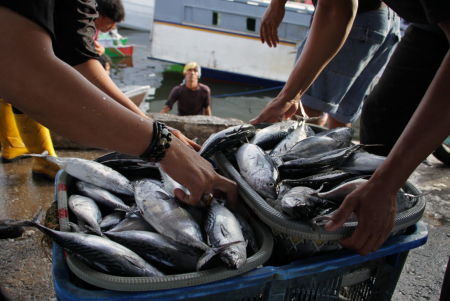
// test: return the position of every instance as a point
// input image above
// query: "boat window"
(251, 24)
(215, 18)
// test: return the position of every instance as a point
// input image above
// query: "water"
(139, 70)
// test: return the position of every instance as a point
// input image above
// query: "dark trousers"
(393, 101)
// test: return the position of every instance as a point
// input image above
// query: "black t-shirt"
(421, 11)
(190, 102)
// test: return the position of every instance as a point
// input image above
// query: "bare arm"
(99, 48)
(165, 109)
(375, 202)
(96, 74)
(330, 28)
(208, 111)
(39, 84)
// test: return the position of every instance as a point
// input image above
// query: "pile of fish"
(135, 227)
(303, 174)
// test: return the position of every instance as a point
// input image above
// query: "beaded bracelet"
(159, 144)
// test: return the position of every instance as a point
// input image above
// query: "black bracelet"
(159, 144)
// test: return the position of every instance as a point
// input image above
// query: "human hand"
(270, 21)
(184, 139)
(99, 48)
(375, 209)
(186, 167)
(275, 110)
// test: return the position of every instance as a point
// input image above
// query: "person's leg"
(389, 107)
(333, 123)
(445, 290)
(37, 139)
(13, 147)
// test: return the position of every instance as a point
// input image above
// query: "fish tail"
(96, 231)
(211, 252)
(35, 221)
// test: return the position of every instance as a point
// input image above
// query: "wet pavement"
(25, 266)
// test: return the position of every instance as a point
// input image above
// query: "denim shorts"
(340, 88)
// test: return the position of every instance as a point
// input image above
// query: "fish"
(102, 196)
(299, 203)
(224, 232)
(86, 211)
(270, 136)
(103, 254)
(343, 134)
(340, 192)
(327, 180)
(131, 166)
(226, 139)
(302, 132)
(92, 172)
(316, 164)
(7, 231)
(159, 250)
(133, 222)
(258, 169)
(406, 201)
(312, 146)
(165, 214)
(111, 220)
(362, 162)
(249, 235)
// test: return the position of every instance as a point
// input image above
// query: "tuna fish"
(317, 164)
(299, 203)
(159, 250)
(164, 213)
(170, 184)
(327, 180)
(103, 254)
(226, 139)
(102, 196)
(86, 211)
(270, 136)
(362, 162)
(224, 232)
(93, 173)
(302, 132)
(111, 220)
(312, 146)
(340, 192)
(258, 169)
(343, 134)
(249, 235)
(133, 222)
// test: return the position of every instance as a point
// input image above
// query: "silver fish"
(343, 134)
(93, 173)
(87, 211)
(249, 235)
(104, 254)
(222, 228)
(159, 250)
(362, 162)
(258, 169)
(340, 192)
(111, 220)
(312, 146)
(226, 139)
(302, 132)
(270, 136)
(102, 196)
(133, 222)
(164, 213)
(300, 203)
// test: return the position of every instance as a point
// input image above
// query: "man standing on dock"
(193, 98)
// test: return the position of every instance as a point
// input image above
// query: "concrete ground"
(25, 265)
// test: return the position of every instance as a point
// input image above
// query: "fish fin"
(96, 231)
(36, 220)
(75, 228)
(224, 231)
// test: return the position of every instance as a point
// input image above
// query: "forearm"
(165, 109)
(208, 111)
(331, 25)
(97, 75)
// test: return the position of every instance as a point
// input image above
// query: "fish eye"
(271, 184)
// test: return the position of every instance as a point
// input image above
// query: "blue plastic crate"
(343, 274)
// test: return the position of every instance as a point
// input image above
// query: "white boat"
(138, 14)
(136, 93)
(223, 37)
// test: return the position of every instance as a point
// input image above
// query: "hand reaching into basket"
(375, 209)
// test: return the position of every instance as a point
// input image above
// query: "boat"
(115, 45)
(222, 36)
(138, 14)
(136, 93)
